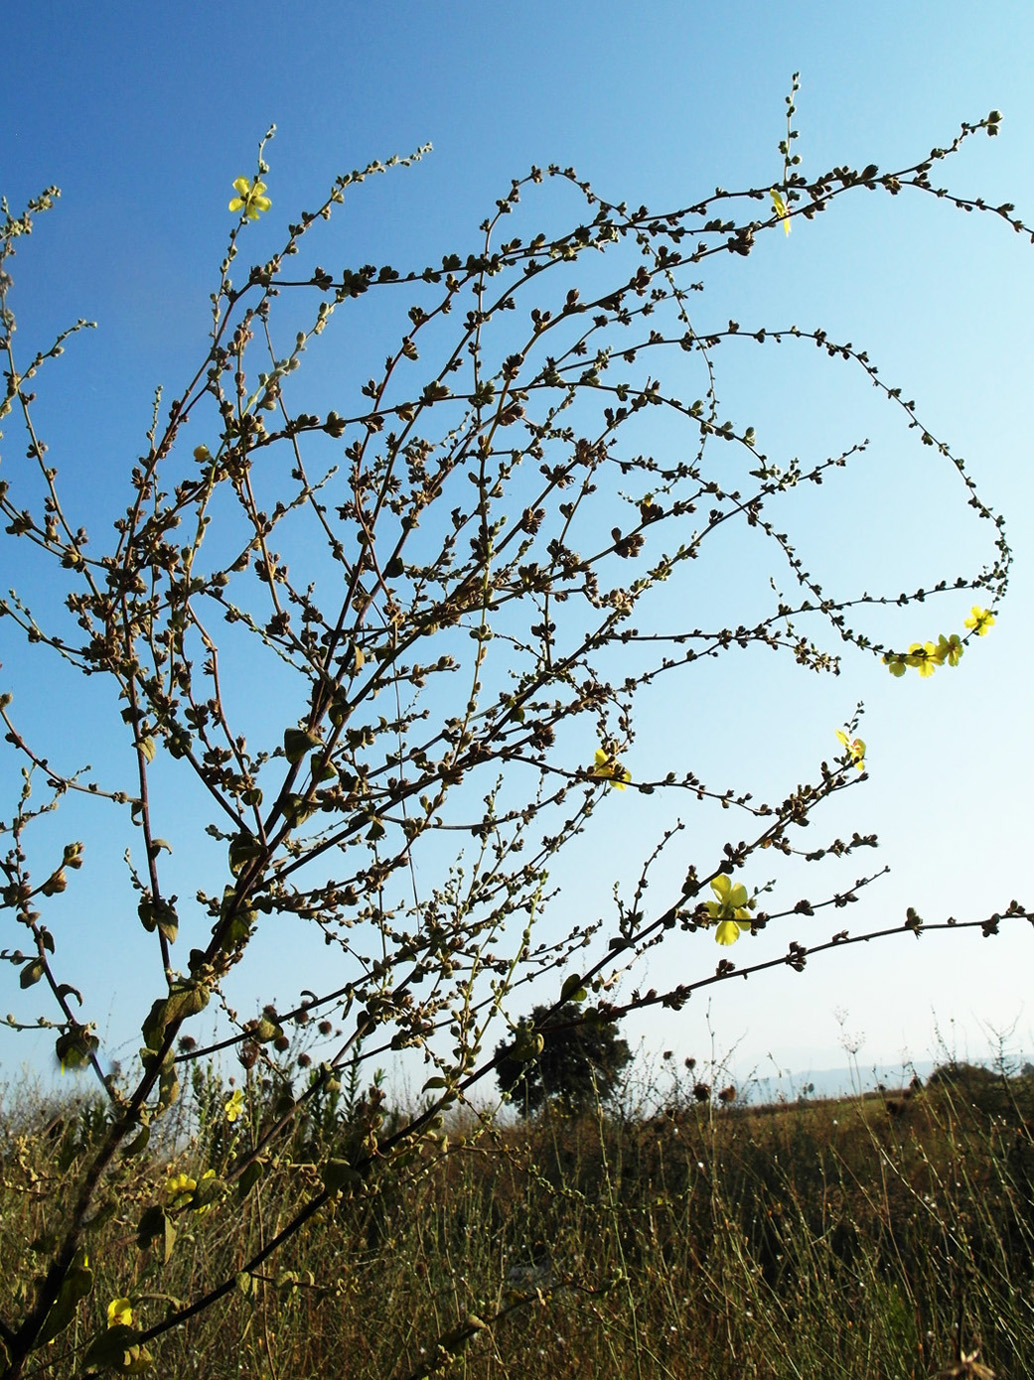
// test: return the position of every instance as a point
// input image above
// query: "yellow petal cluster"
(946, 651)
(980, 620)
(120, 1313)
(180, 1183)
(855, 748)
(251, 198)
(608, 768)
(731, 910)
(234, 1105)
(781, 209)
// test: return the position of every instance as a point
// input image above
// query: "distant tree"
(558, 1055)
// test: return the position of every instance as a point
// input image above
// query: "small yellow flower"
(895, 664)
(981, 620)
(949, 649)
(120, 1313)
(855, 747)
(781, 210)
(731, 910)
(923, 655)
(180, 1184)
(609, 769)
(234, 1106)
(250, 198)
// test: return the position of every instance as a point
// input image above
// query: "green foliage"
(559, 1057)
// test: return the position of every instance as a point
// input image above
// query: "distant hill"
(826, 1083)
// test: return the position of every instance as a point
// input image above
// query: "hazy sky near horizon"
(144, 116)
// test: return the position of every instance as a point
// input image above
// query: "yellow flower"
(855, 748)
(120, 1313)
(781, 210)
(731, 910)
(895, 664)
(250, 198)
(949, 649)
(234, 1106)
(981, 620)
(609, 769)
(180, 1184)
(924, 656)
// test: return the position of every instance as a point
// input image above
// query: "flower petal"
(720, 885)
(120, 1313)
(781, 210)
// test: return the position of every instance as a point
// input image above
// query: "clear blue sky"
(144, 116)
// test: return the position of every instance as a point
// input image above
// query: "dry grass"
(876, 1238)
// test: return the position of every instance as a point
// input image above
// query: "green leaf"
(243, 849)
(154, 1222)
(151, 1224)
(187, 999)
(572, 989)
(153, 1028)
(168, 1238)
(168, 1086)
(168, 921)
(237, 931)
(297, 809)
(339, 1174)
(298, 742)
(161, 915)
(145, 746)
(208, 1191)
(250, 1178)
(184, 1000)
(31, 973)
(74, 1047)
(138, 1143)
(75, 1286)
(528, 1045)
(118, 1348)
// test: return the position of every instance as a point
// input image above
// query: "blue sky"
(144, 116)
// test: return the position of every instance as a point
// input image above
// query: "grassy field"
(874, 1237)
